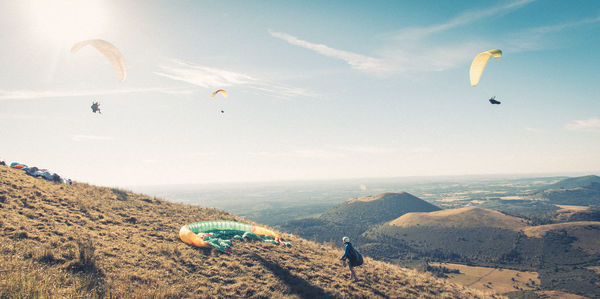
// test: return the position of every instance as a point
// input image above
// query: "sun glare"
(67, 21)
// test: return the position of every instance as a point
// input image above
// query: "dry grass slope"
(462, 217)
(88, 241)
(586, 232)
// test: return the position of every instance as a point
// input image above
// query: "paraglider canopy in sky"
(221, 91)
(479, 64)
(109, 51)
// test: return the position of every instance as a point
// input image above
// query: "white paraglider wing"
(479, 64)
(109, 51)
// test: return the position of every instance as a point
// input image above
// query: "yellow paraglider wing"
(479, 63)
(109, 51)
(219, 91)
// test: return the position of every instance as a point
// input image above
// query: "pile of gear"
(40, 173)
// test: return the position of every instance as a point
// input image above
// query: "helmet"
(346, 239)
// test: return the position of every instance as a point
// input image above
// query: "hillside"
(580, 191)
(586, 233)
(462, 217)
(588, 195)
(564, 254)
(370, 210)
(356, 215)
(575, 182)
(576, 213)
(80, 240)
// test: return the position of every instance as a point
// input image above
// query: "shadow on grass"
(295, 284)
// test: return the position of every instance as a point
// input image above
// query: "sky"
(316, 90)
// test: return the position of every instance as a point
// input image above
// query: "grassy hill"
(86, 241)
(575, 182)
(588, 195)
(580, 191)
(371, 210)
(355, 216)
(462, 217)
(576, 213)
(563, 254)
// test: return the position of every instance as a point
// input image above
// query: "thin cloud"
(411, 58)
(356, 61)
(90, 138)
(367, 149)
(317, 154)
(586, 125)
(209, 77)
(397, 60)
(462, 19)
(532, 39)
(533, 130)
(203, 76)
(36, 94)
(564, 26)
(422, 150)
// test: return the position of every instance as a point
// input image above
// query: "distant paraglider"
(479, 64)
(109, 51)
(221, 91)
(493, 101)
(96, 107)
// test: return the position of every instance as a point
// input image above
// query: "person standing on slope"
(351, 255)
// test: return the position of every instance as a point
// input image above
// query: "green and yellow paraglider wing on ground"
(479, 64)
(218, 234)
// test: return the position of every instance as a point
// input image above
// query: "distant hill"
(575, 182)
(371, 210)
(85, 241)
(581, 191)
(462, 217)
(561, 253)
(588, 195)
(587, 233)
(576, 213)
(353, 217)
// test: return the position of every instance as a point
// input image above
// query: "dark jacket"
(350, 253)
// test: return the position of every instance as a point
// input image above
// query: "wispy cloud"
(422, 150)
(462, 19)
(367, 149)
(317, 154)
(564, 26)
(90, 138)
(396, 59)
(586, 125)
(342, 152)
(413, 56)
(209, 77)
(533, 39)
(356, 61)
(533, 130)
(43, 94)
(203, 76)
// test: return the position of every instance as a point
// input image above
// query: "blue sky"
(342, 89)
